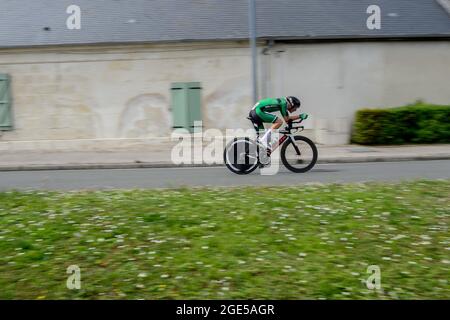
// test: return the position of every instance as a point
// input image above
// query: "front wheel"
(299, 154)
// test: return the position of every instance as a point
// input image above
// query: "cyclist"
(262, 112)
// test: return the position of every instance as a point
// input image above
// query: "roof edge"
(342, 38)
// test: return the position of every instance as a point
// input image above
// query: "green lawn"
(304, 242)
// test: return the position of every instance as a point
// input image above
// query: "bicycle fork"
(297, 150)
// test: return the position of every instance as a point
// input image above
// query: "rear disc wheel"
(241, 156)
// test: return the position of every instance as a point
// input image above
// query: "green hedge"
(417, 123)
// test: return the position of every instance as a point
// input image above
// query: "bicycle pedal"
(264, 160)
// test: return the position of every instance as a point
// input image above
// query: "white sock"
(266, 139)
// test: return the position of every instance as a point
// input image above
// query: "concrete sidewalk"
(159, 156)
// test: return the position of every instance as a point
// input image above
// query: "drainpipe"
(252, 35)
(266, 69)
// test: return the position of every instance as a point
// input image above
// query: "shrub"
(416, 123)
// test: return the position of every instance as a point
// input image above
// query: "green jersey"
(266, 106)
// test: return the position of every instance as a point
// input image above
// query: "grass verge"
(304, 242)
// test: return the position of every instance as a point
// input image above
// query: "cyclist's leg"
(257, 122)
(267, 138)
(276, 123)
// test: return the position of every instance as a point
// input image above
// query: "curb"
(156, 165)
(384, 159)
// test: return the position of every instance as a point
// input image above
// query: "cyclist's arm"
(285, 114)
(291, 118)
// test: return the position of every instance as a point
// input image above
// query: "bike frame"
(280, 141)
(286, 136)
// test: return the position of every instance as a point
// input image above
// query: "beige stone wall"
(122, 93)
(336, 79)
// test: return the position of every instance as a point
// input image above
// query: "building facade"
(78, 94)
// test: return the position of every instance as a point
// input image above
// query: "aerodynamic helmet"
(293, 101)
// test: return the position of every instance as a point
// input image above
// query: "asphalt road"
(219, 176)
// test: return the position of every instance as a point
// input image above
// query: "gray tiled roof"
(22, 22)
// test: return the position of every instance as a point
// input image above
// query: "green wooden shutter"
(186, 104)
(194, 103)
(5, 103)
(179, 105)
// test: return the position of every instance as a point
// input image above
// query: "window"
(5, 103)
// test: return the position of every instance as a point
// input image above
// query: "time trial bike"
(298, 153)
